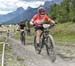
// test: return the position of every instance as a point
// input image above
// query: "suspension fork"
(46, 35)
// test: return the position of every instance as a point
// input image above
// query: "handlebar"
(46, 26)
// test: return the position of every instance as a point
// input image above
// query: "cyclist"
(38, 19)
(22, 33)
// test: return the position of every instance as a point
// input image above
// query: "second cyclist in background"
(22, 32)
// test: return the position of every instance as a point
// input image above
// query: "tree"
(63, 12)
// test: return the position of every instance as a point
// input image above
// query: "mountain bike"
(22, 36)
(46, 40)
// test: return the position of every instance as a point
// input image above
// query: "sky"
(7, 6)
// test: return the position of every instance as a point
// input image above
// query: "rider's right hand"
(31, 23)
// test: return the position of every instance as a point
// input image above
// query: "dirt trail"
(31, 58)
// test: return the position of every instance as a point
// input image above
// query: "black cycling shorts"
(39, 28)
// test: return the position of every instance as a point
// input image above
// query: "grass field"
(64, 32)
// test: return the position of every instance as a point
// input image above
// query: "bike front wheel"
(50, 47)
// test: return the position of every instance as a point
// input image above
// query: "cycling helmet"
(41, 10)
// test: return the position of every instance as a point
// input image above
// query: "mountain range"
(20, 14)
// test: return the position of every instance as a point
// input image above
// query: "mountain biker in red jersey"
(39, 19)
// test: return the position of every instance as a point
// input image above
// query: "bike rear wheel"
(50, 47)
(22, 37)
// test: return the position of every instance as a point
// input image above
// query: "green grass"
(19, 58)
(2, 39)
(64, 32)
(1, 47)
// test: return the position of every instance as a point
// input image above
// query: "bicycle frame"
(45, 33)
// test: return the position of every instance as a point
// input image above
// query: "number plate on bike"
(46, 26)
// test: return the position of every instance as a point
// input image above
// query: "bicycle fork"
(46, 36)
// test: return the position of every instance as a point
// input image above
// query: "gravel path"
(31, 58)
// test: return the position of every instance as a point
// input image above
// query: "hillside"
(64, 33)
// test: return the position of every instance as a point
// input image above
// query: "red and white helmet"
(41, 10)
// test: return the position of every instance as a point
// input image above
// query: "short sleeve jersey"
(37, 19)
